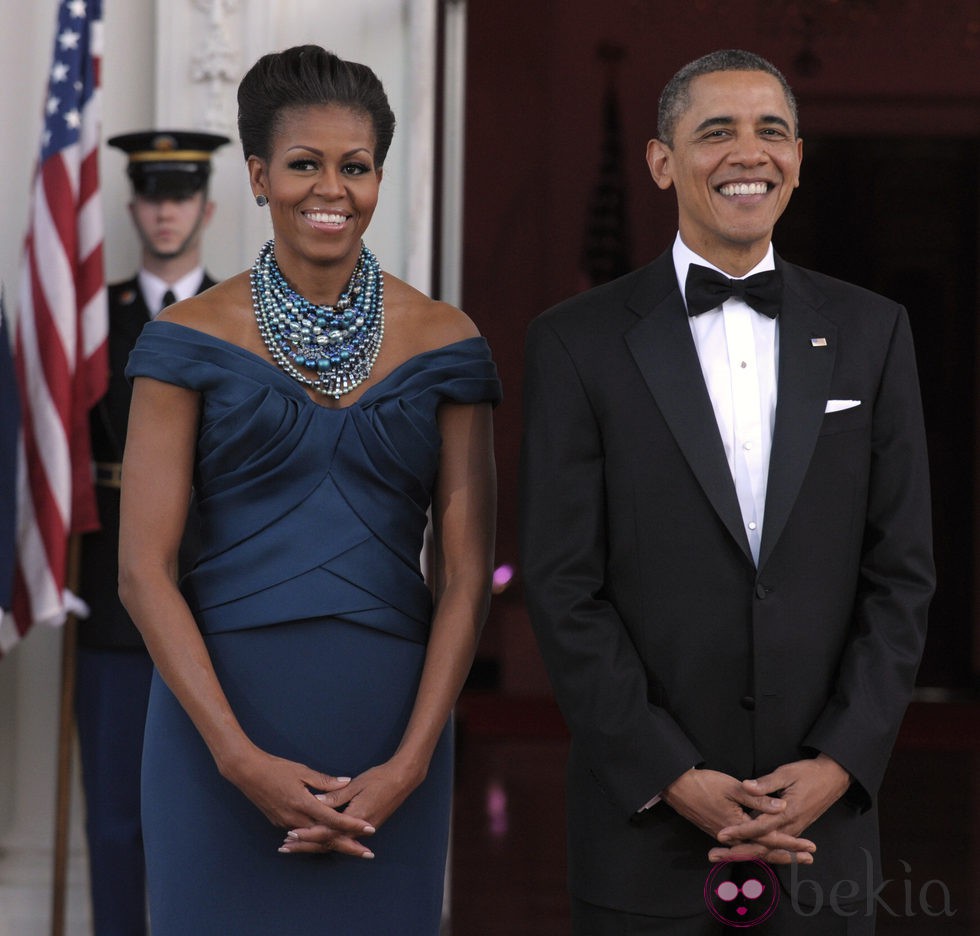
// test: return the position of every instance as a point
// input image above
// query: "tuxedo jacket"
(666, 645)
(109, 626)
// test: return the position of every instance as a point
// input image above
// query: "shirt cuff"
(650, 804)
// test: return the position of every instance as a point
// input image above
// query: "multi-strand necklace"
(329, 348)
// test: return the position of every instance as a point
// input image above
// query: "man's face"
(169, 227)
(734, 164)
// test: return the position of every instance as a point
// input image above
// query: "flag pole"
(66, 737)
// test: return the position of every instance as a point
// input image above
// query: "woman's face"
(322, 185)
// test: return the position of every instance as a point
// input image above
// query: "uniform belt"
(108, 474)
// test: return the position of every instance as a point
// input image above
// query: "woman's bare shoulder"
(424, 322)
(223, 311)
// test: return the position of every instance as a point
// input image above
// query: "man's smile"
(744, 188)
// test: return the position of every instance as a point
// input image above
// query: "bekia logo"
(741, 894)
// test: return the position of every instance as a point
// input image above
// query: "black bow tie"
(706, 289)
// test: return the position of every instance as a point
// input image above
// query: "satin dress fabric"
(312, 604)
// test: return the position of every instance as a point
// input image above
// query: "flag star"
(59, 72)
(53, 104)
(69, 39)
(73, 119)
(77, 8)
(45, 139)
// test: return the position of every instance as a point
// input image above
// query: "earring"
(261, 201)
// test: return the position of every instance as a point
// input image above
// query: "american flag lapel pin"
(818, 342)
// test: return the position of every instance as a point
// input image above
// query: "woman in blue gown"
(297, 767)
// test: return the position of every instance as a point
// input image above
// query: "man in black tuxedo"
(726, 541)
(169, 172)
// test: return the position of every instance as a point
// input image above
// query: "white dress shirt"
(739, 350)
(153, 288)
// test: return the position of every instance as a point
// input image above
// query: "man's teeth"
(744, 188)
(324, 217)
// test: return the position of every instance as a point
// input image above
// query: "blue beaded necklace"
(328, 348)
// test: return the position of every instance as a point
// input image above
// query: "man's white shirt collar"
(153, 288)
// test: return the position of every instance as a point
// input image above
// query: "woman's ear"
(257, 176)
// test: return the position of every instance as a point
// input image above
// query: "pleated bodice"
(307, 510)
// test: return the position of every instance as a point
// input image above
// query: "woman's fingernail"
(342, 779)
(367, 854)
(369, 830)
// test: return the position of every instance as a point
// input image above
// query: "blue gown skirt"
(335, 696)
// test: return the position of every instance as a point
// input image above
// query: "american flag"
(606, 251)
(61, 327)
(605, 254)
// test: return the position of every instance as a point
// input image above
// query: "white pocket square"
(835, 406)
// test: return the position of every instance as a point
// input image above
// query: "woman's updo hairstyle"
(306, 76)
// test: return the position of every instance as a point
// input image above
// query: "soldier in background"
(169, 171)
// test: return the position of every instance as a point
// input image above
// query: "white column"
(453, 138)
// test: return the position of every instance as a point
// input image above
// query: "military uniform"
(109, 626)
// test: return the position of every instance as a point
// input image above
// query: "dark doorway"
(899, 216)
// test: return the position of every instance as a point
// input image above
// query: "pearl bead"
(296, 331)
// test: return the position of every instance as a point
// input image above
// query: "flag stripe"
(45, 371)
(58, 183)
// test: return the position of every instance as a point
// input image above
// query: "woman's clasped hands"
(295, 797)
(337, 811)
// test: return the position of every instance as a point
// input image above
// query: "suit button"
(748, 703)
(762, 591)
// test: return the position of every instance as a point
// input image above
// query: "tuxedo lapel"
(807, 348)
(663, 348)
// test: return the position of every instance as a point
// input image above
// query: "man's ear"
(660, 162)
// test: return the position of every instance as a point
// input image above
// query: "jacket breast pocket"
(846, 420)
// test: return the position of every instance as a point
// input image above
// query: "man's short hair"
(676, 95)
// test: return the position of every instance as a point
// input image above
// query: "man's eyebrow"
(775, 119)
(714, 122)
(724, 121)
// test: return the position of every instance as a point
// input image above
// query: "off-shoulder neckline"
(295, 385)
